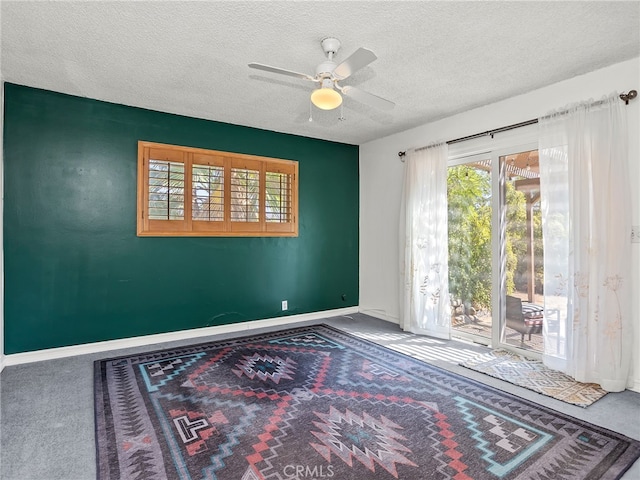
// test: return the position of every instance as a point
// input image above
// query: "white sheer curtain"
(586, 226)
(424, 295)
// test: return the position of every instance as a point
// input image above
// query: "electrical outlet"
(285, 305)
(635, 234)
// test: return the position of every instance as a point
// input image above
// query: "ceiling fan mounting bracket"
(330, 46)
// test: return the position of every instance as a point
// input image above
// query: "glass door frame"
(522, 143)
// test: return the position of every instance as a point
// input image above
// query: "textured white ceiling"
(435, 59)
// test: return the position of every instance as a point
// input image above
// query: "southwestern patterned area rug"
(534, 375)
(318, 403)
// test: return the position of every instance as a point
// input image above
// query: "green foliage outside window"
(469, 205)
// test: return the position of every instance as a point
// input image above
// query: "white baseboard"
(381, 314)
(1, 362)
(86, 348)
(634, 386)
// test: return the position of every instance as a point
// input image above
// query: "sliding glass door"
(523, 250)
(495, 249)
(470, 206)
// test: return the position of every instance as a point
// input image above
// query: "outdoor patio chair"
(524, 317)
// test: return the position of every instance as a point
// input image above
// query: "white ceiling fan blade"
(281, 71)
(368, 98)
(358, 59)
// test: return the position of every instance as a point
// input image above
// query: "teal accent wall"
(75, 271)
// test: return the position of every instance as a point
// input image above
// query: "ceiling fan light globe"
(326, 98)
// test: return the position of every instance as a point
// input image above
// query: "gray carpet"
(47, 420)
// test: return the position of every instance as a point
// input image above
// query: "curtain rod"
(625, 97)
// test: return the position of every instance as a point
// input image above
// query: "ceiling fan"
(329, 74)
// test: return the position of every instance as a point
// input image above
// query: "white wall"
(381, 177)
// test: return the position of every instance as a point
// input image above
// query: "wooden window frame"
(189, 227)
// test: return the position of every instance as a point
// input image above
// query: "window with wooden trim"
(184, 191)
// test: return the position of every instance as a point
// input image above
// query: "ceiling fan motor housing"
(325, 69)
